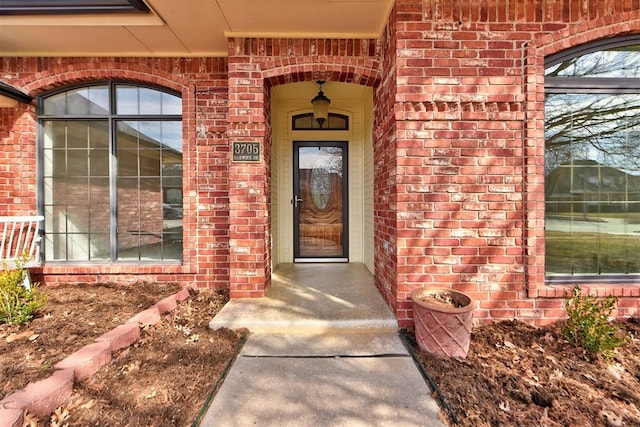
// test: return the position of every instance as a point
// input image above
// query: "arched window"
(305, 121)
(111, 173)
(592, 162)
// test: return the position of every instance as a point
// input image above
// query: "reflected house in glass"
(585, 186)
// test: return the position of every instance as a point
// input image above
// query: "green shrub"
(588, 325)
(18, 304)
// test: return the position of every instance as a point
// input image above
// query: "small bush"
(588, 325)
(18, 304)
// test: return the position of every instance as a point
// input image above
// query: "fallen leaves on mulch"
(161, 380)
(74, 315)
(514, 374)
(164, 379)
(519, 375)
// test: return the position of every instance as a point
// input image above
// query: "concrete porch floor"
(324, 350)
(312, 298)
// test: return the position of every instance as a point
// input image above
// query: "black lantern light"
(320, 105)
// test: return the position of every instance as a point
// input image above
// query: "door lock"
(296, 200)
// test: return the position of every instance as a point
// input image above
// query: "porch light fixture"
(320, 105)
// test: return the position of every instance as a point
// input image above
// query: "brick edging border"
(41, 398)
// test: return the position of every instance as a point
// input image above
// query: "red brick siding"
(458, 148)
(202, 83)
(17, 154)
(256, 65)
(385, 187)
(470, 145)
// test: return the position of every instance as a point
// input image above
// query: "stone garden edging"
(41, 398)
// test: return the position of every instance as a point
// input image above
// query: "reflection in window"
(592, 162)
(306, 122)
(623, 61)
(112, 182)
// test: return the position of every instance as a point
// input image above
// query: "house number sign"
(246, 151)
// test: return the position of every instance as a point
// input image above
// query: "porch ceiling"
(189, 27)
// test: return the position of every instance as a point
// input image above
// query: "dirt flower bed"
(74, 315)
(519, 375)
(163, 379)
(514, 374)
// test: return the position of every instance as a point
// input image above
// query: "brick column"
(249, 182)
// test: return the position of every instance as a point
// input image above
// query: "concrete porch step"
(312, 298)
(263, 315)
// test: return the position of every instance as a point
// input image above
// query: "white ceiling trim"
(190, 28)
(296, 35)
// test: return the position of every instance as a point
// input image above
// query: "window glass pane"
(128, 217)
(88, 101)
(56, 232)
(99, 198)
(172, 136)
(76, 179)
(338, 122)
(99, 247)
(77, 247)
(303, 121)
(55, 104)
(99, 134)
(99, 162)
(172, 179)
(53, 133)
(78, 216)
(171, 104)
(127, 135)
(127, 100)
(127, 148)
(619, 62)
(77, 163)
(78, 102)
(334, 122)
(59, 164)
(98, 100)
(145, 101)
(592, 183)
(77, 134)
(150, 101)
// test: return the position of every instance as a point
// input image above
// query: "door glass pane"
(320, 210)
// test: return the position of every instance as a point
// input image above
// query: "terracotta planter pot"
(443, 329)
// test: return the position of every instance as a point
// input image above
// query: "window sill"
(595, 285)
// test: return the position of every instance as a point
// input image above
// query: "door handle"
(296, 200)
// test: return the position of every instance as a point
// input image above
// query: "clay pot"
(443, 319)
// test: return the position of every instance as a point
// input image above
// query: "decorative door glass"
(319, 199)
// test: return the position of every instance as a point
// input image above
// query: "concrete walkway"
(324, 351)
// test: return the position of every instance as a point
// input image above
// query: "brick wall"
(470, 146)
(202, 83)
(458, 148)
(256, 65)
(385, 186)
(17, 174)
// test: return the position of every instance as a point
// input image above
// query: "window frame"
(112, 118)
(70, 7)
(590, 85)
(335, 116)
